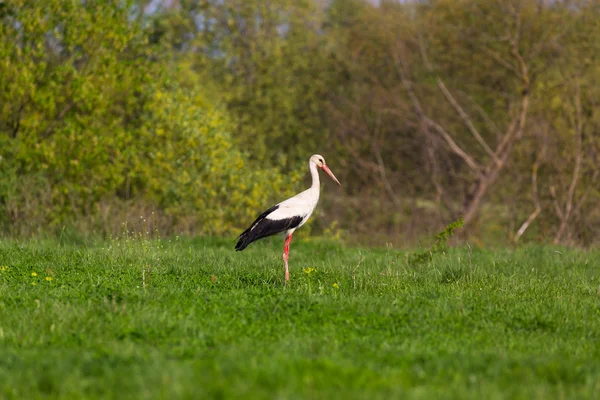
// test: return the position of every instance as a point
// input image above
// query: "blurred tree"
(434, 110)
(92, 111)
(445, 89)
(273, 64)
(193, 171)
(70, 72)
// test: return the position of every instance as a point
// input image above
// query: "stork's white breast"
(301, 205)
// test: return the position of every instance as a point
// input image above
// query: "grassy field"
(194, 319)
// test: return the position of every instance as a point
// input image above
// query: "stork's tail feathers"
(263, 227)
(243, 241)
(250, 235)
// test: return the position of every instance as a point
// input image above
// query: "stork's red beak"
(331, 175)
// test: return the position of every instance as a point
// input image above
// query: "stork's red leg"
(286, 253)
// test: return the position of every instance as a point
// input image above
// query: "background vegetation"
(192, 116)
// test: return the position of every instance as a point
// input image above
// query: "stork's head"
(319, 161)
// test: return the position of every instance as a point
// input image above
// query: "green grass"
(213, 323)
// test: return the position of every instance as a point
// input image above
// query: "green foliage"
(440, 244)
(193, 171)
(204, 112)
(189, 319)
(275, 70)
(93, 114)
(70, 78)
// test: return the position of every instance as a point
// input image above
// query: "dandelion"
(3, 268)
(335, 285)
(48, 278)
(33, 274)
(308, 270)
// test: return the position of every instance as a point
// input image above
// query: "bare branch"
(455, 147)
(466, 120)
(557, 208)
(587, 190)
(524, 72)
(578, 148)
(491, 124)
(566, 213)
(496, 57)
(536, 212)
(419, 110)
(504, 148)
(384, 178)
(439, 189)
(463, 115)
(534, 190)
(381, 164)
(408, 86)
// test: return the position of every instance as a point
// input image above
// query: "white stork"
(288, 215)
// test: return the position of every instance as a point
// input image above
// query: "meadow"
(191, 318)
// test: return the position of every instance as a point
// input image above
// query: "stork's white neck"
(315, 175)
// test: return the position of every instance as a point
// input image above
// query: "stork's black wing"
(263, 227)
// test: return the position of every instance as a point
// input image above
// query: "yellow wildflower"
(335, 285)
(48, 278)
(33, 274)
(3, 268)
(308, 270)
